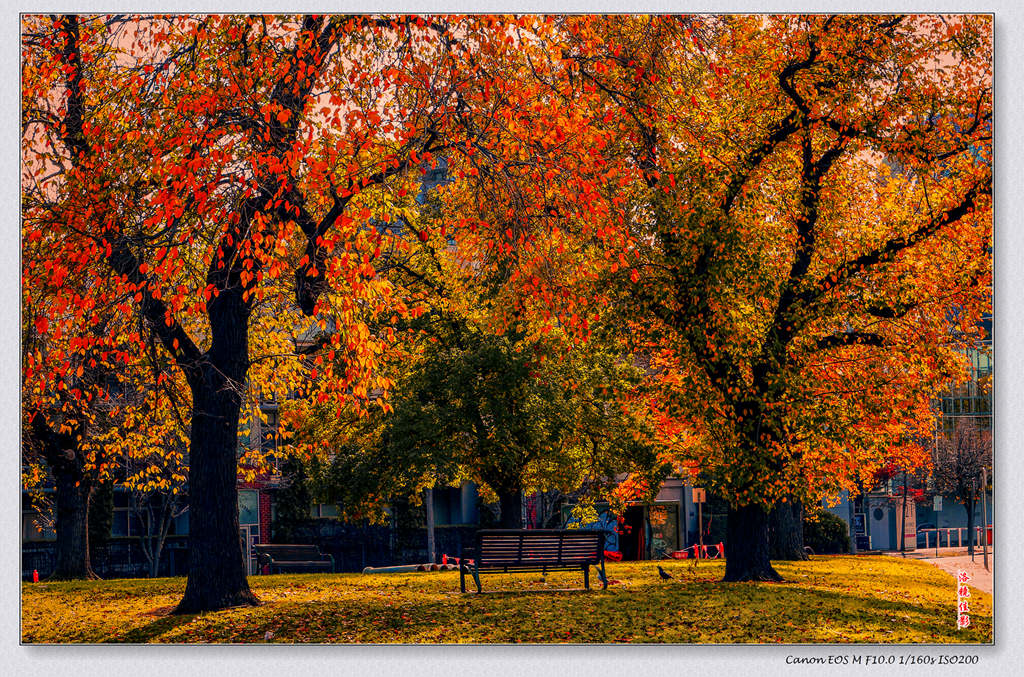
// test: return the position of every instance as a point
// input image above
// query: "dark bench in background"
(507, 551)
(293, 557)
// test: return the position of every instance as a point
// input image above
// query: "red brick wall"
(265, 516)
(265, 522)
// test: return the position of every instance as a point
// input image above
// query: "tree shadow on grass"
(687, 613)
(147, 633)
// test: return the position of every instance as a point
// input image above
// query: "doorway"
(632, 536)
(247, 538)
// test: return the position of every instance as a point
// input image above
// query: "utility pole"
(428, 502)
(984, 517)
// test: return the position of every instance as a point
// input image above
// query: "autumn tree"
(783, 212)
(68, 363)
(101, 409)
(70, 369)
(957, 464)
(151, 440)
(809, 336)
(703, 179)
(69, 464)
(218, 177)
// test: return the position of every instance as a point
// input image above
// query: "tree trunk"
(746, 546)
(511, 504)
(156, 534)
(786, 531)
(101, 517)
(903, 518)
(165, 525)
(216, 569)
(969, 504)
(72, 525)
(74, 490)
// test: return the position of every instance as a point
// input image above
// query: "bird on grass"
(665, 576)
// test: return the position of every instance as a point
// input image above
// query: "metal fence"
(951, 537)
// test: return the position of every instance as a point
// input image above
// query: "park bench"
(292, 557)
(506, 551)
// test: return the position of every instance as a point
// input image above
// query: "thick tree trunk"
(101, 517)
(216, 569)
(72, 526)
(746, 546)
(786, 531)
(511, 504)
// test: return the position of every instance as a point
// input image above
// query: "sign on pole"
(937, 503)
(698, 495)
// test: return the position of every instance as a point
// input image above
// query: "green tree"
(512, 415)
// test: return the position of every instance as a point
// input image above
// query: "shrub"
(825, 533)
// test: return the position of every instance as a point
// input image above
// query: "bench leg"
(586, 576)
(476, 577)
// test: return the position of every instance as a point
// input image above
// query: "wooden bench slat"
(522, 550)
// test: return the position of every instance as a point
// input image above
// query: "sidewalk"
(952, 560)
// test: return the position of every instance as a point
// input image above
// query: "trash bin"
(988, 534)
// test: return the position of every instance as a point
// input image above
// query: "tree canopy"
(784, 215)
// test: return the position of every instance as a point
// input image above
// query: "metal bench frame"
(509, 551)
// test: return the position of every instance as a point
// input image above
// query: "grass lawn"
(829, 599)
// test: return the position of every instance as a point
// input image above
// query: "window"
(123, 523)
(33, 528)
(268, 429)
(180, 526)
(447, 505)
(248, 507)
(324, 510)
